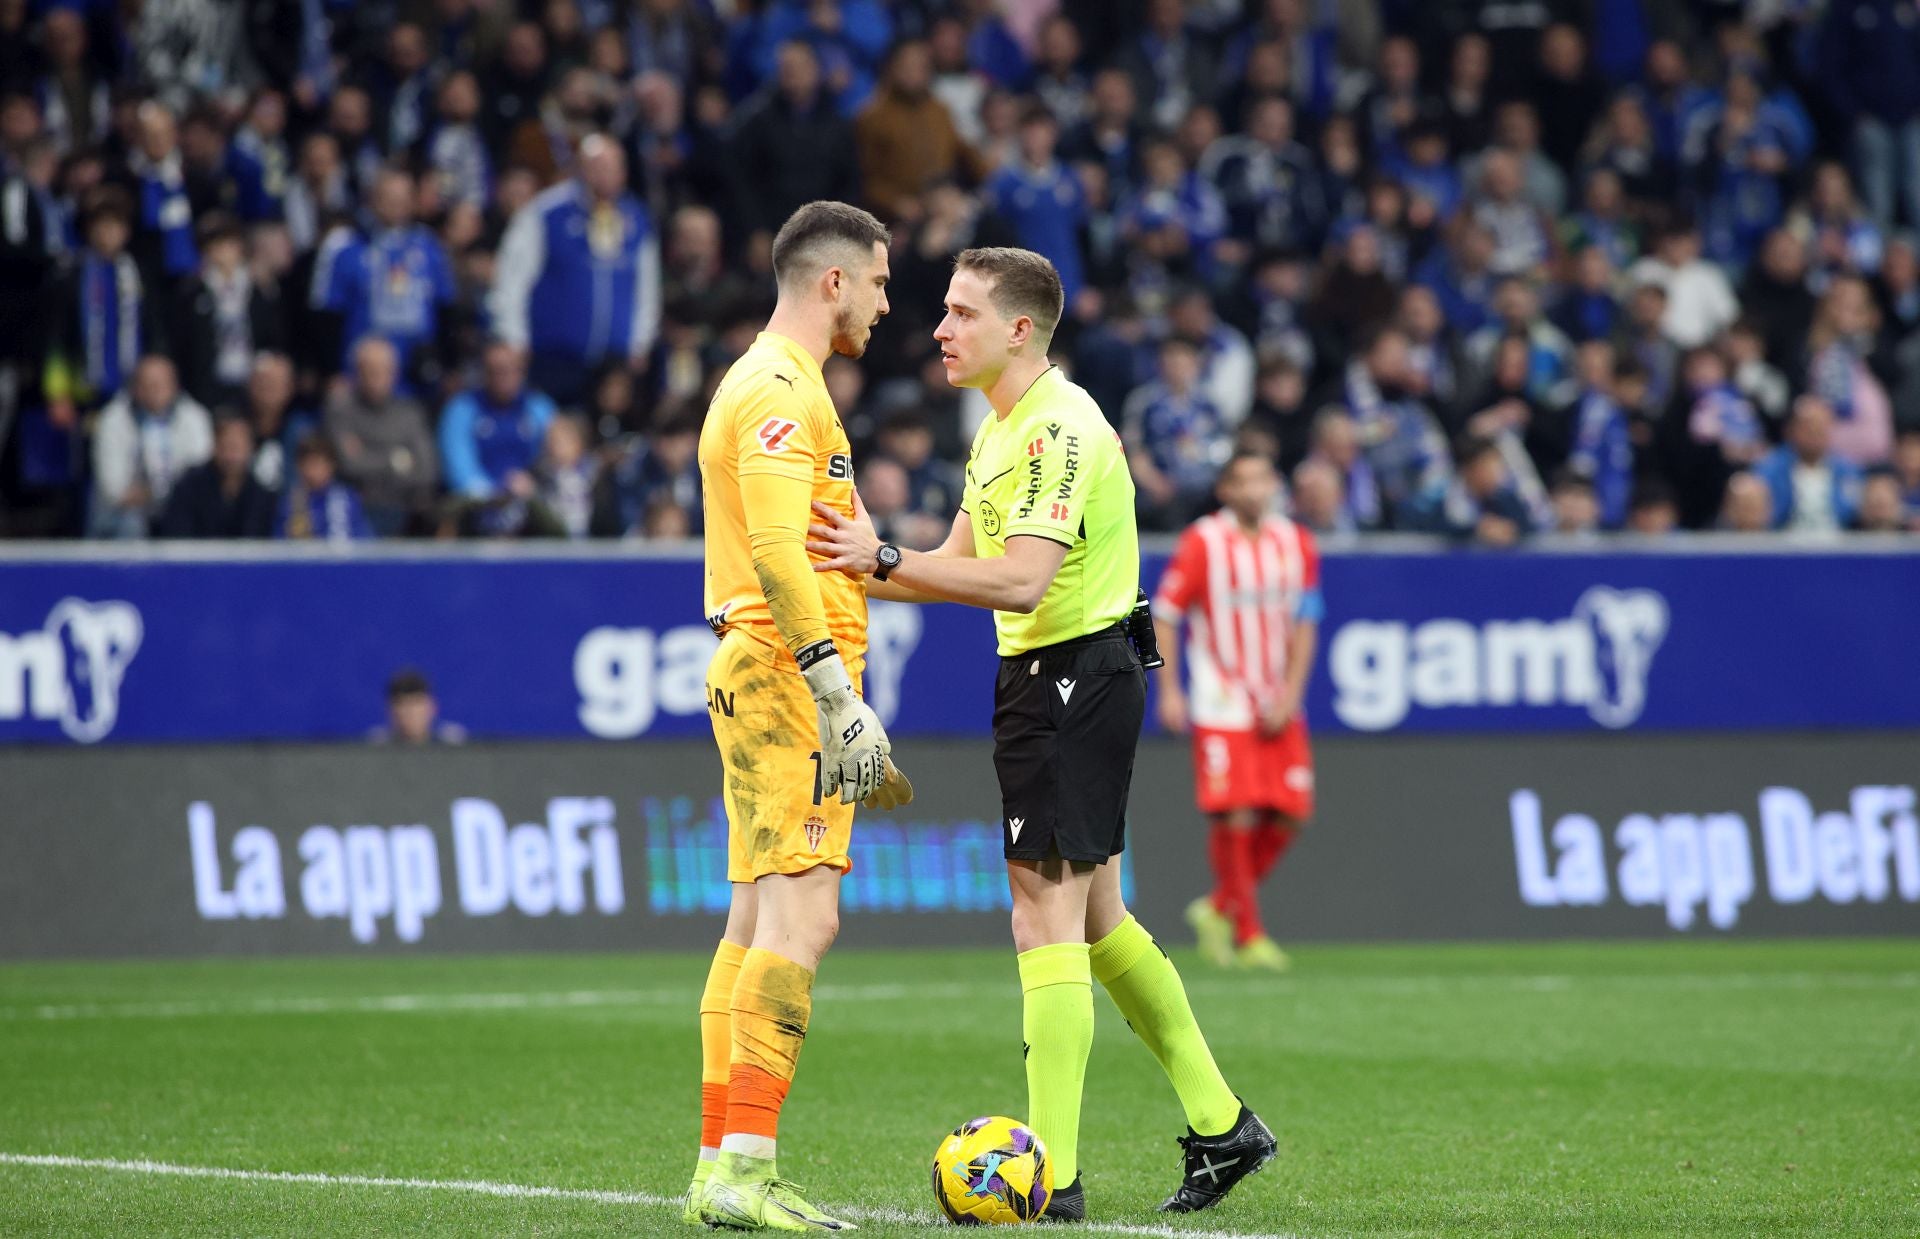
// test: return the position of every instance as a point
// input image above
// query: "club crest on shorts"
(816, 829)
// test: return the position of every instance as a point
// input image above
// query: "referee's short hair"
(1023, 283)
(819, 235)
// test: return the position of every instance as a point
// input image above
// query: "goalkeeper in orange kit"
(798, 745)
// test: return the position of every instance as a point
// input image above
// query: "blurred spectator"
(1172, 221)
(934, 485)
(259, 161)
(1336, 444)
(885, 489)
(1436, 371)
(1843, 239)
(579, 279)
(1906, 466)
(1042, 199)
(1058, 82)
(1548, 352)
(1652, 512)
(1723, 432)
(385, 449)
(164, 233)
(1765, 387)
(413, 714)
(1319, 498)
(73, 98)
(1480, 503)
(1601, 453)
(906, 137)
(1577, 92)
(149, 436)
(1881, 507)
(394, 282)
(278, 426)
(1700, 302)
(1280, 409)
(1869, 61)
(1520, 240)
(1576, 508)
(316, 504)
(1227, 366)
(1897, 291)
(1399, 437)
(1461, 277)
(1267, 181)
(491, 435)
(1603, 222)
(791, 145)
(566, 477)
(1355, 295)
(1176, 438)
(1809, 489)
(1588, 310)
(663, 471)
(457, 156)
(101, 315)
(222, 318)
(1775, 296)
(1842, 339)
(222, 498)
(1747, 507)
(1169, 64)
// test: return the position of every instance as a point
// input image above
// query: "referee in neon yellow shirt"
(1045, 538)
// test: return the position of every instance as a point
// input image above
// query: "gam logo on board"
(69, 672)
(1599, 657)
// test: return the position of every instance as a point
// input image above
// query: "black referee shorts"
(1066, 721)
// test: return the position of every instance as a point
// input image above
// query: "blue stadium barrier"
(186, 643)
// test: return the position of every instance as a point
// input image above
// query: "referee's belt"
(1116, 631)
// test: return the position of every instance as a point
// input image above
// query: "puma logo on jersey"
(774, 433)
(784, 379)
(1014, 827)
(1066, 690)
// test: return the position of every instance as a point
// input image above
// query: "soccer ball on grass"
(992, 1172)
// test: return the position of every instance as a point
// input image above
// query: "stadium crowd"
(352, 268)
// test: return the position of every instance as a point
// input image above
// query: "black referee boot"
(1215, 1163)
(1069, 1204)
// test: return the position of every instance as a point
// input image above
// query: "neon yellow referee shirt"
(1054, 468)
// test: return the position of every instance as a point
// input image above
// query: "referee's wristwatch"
(886, 559)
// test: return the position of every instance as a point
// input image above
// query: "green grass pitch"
(1698, 1089)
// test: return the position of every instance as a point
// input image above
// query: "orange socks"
(716, 1040)
(772, 1002)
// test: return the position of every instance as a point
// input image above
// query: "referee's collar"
(1032, 387)
(791, 348)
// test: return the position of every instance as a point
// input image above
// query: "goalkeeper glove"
(853, 745)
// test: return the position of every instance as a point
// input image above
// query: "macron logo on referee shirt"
(1014, 826)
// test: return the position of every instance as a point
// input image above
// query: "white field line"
(1301, 987)
(521, 1191)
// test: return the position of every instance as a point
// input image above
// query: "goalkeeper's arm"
(853, 745)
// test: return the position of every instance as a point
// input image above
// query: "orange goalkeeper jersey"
(772, 418)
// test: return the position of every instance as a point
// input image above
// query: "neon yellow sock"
(1057, 1026)
(1146, 987)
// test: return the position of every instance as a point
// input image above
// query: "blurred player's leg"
(1056, 1026)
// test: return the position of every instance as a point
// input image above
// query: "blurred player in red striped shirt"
(1246, 582)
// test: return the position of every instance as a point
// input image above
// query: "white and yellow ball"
(992, 1172)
